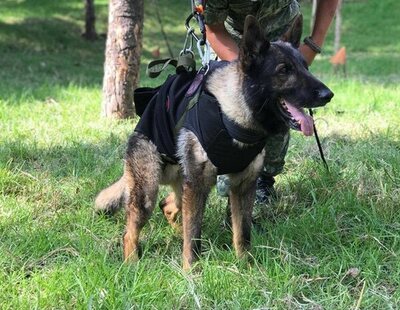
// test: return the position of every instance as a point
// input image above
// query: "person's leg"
(276, 148)
(223, 185)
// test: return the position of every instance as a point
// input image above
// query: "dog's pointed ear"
(253, 42)
(293, 35)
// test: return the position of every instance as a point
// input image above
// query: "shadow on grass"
(42, 35)
(44, 51)
(40, 56)
(45, 8)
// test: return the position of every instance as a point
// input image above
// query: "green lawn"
(331, 241)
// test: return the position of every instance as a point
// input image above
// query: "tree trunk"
(90, 20)
(338, 27)
(123, 49)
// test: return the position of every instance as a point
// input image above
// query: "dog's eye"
(283, 69)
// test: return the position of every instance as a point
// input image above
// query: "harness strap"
(155, 67)
(247, 136)
(321, 152)
(194, 91)
(185, 62)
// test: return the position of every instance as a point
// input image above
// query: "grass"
(331, 241)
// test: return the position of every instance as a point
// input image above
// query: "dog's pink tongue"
(306, 121)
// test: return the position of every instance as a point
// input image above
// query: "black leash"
(321, 152)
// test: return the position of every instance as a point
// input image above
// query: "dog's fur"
(249, 92)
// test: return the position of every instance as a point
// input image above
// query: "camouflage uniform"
(275, 16)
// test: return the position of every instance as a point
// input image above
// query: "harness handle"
(185, 62)
(155, 67)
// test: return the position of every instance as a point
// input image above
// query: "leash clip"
(204, 52)
(188, 44)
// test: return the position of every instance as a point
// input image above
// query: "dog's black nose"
(325, 94)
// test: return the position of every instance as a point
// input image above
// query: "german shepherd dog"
(264, 91)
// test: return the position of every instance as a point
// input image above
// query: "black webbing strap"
(242, 134)
(321, 152)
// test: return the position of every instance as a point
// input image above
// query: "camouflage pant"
(275, 148)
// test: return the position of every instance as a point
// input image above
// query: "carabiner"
(204, 55)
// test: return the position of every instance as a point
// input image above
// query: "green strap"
(185, 62)
(192, 102)
(155, 67)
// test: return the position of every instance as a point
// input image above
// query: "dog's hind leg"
(142, 176)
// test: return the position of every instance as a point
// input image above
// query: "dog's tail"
(110, 199)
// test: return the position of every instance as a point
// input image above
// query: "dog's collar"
(244, 135)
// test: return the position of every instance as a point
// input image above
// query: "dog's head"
(277, 81)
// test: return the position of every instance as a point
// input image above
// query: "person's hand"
(307, 53)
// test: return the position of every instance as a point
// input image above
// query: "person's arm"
(221, 42)
(215, 14)
(324, 15)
